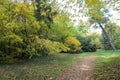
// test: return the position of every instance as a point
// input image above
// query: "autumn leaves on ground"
(55, 40)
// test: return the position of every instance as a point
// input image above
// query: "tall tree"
(62, 27)
(44, 13)
(113, 30)
(96, 12)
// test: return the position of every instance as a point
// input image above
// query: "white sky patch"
(115, 17)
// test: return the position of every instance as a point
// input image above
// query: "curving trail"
(83, 70)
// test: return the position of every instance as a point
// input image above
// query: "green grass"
(40, 68)
(107, 52)
(107, 65)
(49, 67)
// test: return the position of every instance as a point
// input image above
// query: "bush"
(17, 33)
(98, 43)
(117, 40)
(10, 48)
(73, 44)
(117, 43)
(86, 44)
(95, 39)
(47, 47)
(40, 47)
(89, 48)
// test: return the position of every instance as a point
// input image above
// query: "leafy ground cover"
(108, 66)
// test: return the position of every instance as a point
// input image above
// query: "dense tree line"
(28, 30)
(39, 28)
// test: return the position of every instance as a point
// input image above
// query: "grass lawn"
(47, 68)
(108, 65)
(40, 68)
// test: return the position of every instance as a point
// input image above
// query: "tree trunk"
(108, 37)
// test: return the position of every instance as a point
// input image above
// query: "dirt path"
(83, 70)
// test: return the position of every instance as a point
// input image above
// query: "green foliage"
(105, 43)
(117, 42)
(61, 28)
(99, 14)
(37, 29)
(3, 1)
(113, 30)
(98, 43)
(86, 44)
(95, 13)
(89, 48)
(23, 35)
(82, 29)
(89, 41)
(44, 12)
(95, 39)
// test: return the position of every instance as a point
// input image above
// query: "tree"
(18, 31)
(97, 15)
(44, 13)
(62, 27)
(82, 27)
(96, 11)
(113, 30)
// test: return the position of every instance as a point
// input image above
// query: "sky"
(115, 17)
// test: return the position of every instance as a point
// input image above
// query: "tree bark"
(108, 37)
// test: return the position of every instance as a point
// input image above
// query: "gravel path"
(83, 70)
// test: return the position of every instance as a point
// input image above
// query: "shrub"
(117, 40)
(86, 44)
(95, 39)
(10, 48)
(117, 44)
(47, 47)
(18, 29)
(89, 48)
(98, 43)
(73, 44)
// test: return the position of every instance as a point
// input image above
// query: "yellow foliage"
(94, 3)
(14, 38)
(98, 43)
(35, 25)
(25, 9)
(72, 41)
(95, 7)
